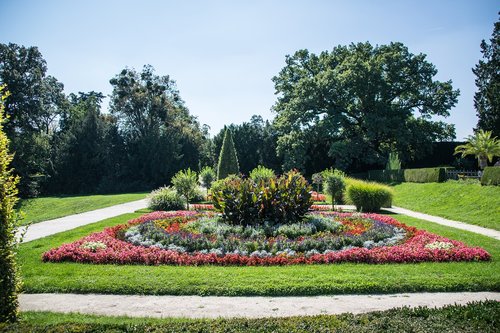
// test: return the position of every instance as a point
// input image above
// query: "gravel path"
(449, 223)
(249, 307)
(47, 228)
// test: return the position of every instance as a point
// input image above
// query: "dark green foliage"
(285, 199)
(368, 196)
(469, 318)
(384, 176)
(317, 179)
(491, 176)
(355, 100)
(165, 198)
(255, 143)
(487, 97)
(9, 280)
(425, 175)
(262, 174)
(228, 161)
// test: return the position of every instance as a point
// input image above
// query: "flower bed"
(199, 238)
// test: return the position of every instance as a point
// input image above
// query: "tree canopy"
(487, 97)
(361, 101)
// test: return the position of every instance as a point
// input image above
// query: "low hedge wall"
(491, 176)
(422, 175)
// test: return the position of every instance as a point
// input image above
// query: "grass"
(279, 281)
(457, 200)
(474, 317)
(47, 208)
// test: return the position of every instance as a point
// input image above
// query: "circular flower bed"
(198, 238)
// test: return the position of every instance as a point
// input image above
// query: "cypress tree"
(9, 282)
(228, 161)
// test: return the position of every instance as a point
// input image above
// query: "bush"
(198, 195)
(186, 184)
(369, 196)
(425, 175)
(282, 200)
(386, 176)
(165, 198)
(262, 173)
(207, 177)
(491, 176)
(333, 184)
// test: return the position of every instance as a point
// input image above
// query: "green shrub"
(228, 160)
(9, 277)
(207, 176)
(425, 175)
(198, 195)
(368, 196)
(280, 200)
(165, 198)
(186, 184)
(261, 173)
(386, 176)
(333, 184)
(317, 179)
(393, 162)
(218, 185)
(491, 176)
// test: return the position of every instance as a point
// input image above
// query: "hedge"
(425, 175)
(491, 176)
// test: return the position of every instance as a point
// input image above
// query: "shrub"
(317, 179)
(262, 173)
(369, 196)
(393, 162)
(186, 184)
(9, 278)
(333, 184)
(228, 160)
(491, 176)
(425, 175)
(282, 200)
(386, 176)
(165, 198)
(207, 177)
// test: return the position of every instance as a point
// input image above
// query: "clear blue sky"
(223, 54)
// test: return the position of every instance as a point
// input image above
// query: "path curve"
(228, 307)
(449, 223)
(47, 228)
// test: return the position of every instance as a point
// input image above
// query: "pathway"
(449, 223)
(47, 228)
(249, 307)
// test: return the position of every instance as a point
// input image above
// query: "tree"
(487, 71)
(228, 161)
(481, 145)
(33, 109)
(360, 101)
(185, 182)
(207, 177)
(334, 184)
(160, 135)
(9, 278)
(317, 179)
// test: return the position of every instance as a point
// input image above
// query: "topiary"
(228, 160)
(368, 196)
(165, 198)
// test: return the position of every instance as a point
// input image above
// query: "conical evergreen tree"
(228, 161)
(9, 281)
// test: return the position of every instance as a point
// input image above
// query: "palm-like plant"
(482, 145)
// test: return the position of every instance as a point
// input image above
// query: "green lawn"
(231, 281)
(460, 201)
(47, 208)
(474, 317)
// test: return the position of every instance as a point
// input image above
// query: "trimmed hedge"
(386, 176)
(425, 175)
(368, 196)
(491, 176)
(473, 317)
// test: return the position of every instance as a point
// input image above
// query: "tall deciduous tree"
(360, 101)
(487, 71)
(228, 161)
(9, 280)
(35, 104)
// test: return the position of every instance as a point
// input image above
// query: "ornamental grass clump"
(369, 196)
(165, 198)
(281, 200)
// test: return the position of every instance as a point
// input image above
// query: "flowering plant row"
(194, 238)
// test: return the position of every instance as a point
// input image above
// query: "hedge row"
(491, 176)
(473, 317)
(422, 175)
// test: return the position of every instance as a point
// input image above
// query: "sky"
(223, 54)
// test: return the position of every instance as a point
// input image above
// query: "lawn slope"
(459, 201)
(48, 208)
